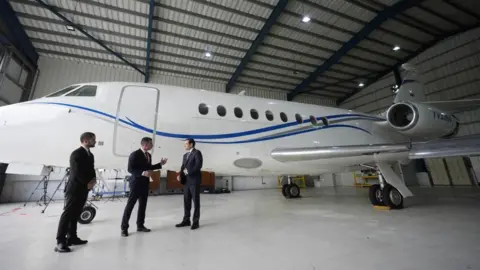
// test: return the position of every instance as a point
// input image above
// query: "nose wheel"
(88, 213)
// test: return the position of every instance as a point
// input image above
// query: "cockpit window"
(63, 91)
(84, 91)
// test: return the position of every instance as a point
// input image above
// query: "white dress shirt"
(145, 154)
(185, 171)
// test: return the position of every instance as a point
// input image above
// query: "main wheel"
(284, 190)
(392, 197)
(87, 215)
(375, 195)
(293, 190)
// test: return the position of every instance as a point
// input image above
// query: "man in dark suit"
(141, 168)
(81, 180)
(190, 177)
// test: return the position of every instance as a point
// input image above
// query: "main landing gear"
(386, 196)
(290, 190)
(389, 194)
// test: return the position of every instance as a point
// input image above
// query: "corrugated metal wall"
(315, 100)
(450, 70)
(56, 73)
(374, 99)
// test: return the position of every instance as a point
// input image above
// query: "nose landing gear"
(88, 213)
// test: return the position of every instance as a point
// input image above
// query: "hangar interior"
(224, 47)
(345, 53)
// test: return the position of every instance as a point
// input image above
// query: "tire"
(392, 197)
(294, 191)
(87, 215)
(284, 191)
(375, 195)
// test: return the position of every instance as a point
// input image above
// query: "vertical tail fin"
(411, 89)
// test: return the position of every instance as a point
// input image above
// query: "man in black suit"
(81, 180)
(141, 168)
(190, 177)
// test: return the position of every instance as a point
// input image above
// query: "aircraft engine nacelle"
(421, 121)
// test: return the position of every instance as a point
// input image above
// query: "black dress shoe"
(76, 242)
(143, 229)
(124, 233)
(62, 248)
(183, 224)
(195, 226)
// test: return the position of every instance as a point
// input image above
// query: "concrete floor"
(326, 229)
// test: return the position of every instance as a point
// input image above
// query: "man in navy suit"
(141, 168)
(190, 177)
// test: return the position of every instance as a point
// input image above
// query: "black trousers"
(137, 192)
(72, 210)
(191, 193)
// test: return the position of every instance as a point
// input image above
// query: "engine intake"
(419, 120)
(402, 116)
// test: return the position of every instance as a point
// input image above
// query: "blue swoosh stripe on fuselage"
(285, 135)
(266, 138)
(214, 136)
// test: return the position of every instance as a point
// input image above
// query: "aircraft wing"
(455, 106)
(459, 146)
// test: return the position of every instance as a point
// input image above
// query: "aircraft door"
(136, 117)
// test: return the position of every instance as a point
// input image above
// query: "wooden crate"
(172, 182)
(208, 180)
(155, 184)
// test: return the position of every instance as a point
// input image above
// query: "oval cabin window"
(313, 120)
(284, 117)
(299, 118)
(221, 111)
(238, 112)
(324, 121)
(254, 114)
(203, 108)
(269, 115)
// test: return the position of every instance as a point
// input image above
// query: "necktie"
(148, 158)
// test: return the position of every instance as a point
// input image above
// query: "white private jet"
(238, 135)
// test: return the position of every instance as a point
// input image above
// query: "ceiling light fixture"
(396, 48)
(361, 84)
(306, 19)
(208, 54)
(70, 28)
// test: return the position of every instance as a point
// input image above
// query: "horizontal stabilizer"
(455, 106)
(460, 146)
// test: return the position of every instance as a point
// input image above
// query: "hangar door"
(136, 117)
